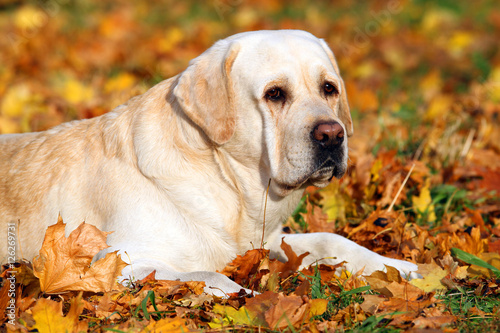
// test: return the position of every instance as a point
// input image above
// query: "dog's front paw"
(405, 268)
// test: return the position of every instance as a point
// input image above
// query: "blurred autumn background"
(423, 80)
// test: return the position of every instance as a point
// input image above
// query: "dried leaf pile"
(423, 80)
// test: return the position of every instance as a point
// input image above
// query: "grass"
(467, 305)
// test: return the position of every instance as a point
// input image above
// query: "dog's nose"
(328, 134)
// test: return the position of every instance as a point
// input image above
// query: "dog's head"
(276, 96)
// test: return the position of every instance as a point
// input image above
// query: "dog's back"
(30, 164)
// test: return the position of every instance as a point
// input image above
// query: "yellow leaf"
(120, 82)
(440, 105)
(434, 19)
(431, 281)
(491, 258)
(15, 101)
(396, 57)
(431, 84)
(242, 316)
(370, 190)
(365, 70)
(8, 126)
(64, 263)
(171, 325)
(493, 85)
(375, 170)
(333, 202)
(49, 317)
(245, 18)
(172, 37)
(317, 307)
(345, 274)
(461, 272)
(423, 202)
(459, 42)
(75, 92)
(20, 104)
(30, 18)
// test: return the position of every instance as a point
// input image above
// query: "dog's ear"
(344, 111)
(205, 91)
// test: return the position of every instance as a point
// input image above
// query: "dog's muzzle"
(328, 140)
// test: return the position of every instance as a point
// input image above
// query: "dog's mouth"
(325, 172)
(320, 176)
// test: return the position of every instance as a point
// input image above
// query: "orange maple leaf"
(63, 264)
(291, 265)
(243, 268)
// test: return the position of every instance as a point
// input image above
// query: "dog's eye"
(330, 89)
(275, 94)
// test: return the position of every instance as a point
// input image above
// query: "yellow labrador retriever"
(180, 173)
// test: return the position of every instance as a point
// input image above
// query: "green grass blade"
(473, 260)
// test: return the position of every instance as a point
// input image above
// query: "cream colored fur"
(180, 172)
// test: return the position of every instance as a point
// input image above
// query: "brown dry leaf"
(371, 303)
(353, 312)
(180, 288)
(317, 220)
(292, 265)
(289, 310)
(242, 269)
(404, 290)
(379, 280)
(150, 277)
(434, 322)
(261, 303)
(5, 301)
(64, 263)
(391, 285)
(452, 267)
(328, 273)
(403, 305)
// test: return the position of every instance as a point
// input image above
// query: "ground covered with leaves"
(423, 79)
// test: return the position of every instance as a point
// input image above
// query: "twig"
(19, 238)
(401, 188)
(468, 143)
(264, 222)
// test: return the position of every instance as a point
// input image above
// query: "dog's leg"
(215, 283)
(329, 248)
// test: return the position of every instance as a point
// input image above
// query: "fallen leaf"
(243, 268)
(288, 311)
(317, 307)
(323, 220)
(434, 322)
(492, 259)
(241, 316)
(371, 303)
(171, 325)
(291, 265)
(49, 317)
(423, 202)
(432, 276)
(64, 264)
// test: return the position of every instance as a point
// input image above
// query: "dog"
(180, 173)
